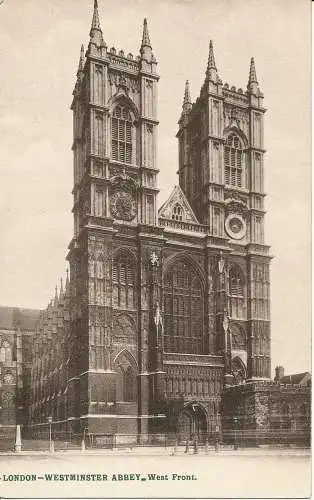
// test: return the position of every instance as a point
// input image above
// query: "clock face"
(123, 205)
(235, 226)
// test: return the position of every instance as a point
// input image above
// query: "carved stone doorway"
(192, 422)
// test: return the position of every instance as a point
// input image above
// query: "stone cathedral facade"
(163, 324)
(163, 309)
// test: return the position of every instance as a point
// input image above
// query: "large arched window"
(123, 279)
(183, 307)
(122, 125)
(234, 157)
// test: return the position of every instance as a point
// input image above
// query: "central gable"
(177, 208)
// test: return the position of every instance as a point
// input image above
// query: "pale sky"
(39, 49)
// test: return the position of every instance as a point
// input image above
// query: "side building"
(17, 328)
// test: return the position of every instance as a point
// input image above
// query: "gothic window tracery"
(122, 131)
(177, 212)
(123, 278)
(233, 157)
(183, 296)
(238, 371)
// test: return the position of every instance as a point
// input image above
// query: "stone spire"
(67, 284)
(95, 31)
(145, 38)
(81, 61)
(146, 48)
(187, 104)
(252, 85)
(61, 293)
(211, 71)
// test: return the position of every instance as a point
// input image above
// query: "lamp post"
(235, 422)
(51, 445)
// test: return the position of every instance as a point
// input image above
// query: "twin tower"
(166, 309)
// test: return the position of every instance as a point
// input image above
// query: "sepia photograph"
(155, 250)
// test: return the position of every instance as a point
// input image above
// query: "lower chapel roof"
(12, 318)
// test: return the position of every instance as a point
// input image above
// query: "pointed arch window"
(183, 307)
(124, 281)
(122, 132)
(234, 158)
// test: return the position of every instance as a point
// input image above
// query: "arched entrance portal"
(192, 422)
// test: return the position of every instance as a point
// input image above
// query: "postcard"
(155, 249)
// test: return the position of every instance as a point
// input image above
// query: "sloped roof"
(296, 378)
(14, 317)
(177, 197)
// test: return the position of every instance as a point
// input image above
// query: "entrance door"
(192, 422)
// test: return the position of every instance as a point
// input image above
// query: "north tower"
(114, 122)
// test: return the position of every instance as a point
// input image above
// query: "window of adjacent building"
(183, 307)
(123, 278)
(233, 157)
(122, 126)
(6, 353)
(177, 212)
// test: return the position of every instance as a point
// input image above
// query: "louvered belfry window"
(122, 126)
(123, 281)
(233, 161)
(236, 282)
(183, 310)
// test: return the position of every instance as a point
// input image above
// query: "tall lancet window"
(124, 281)
(237, 292)
(122, 130)
(234, 159)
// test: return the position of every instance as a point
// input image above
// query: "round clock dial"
(235, 226)
(123, 205)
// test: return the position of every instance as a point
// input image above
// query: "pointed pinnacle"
(61, 288)
(187, 96)
(95, 21)
(145, 38)
(82, 60)
(211, 64)
(252, 76)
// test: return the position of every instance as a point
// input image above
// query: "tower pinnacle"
(187, 104)
(146, 48)
(95, 31)
(145, 38)
(81, 61)
(211, 71)
(252, 83)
